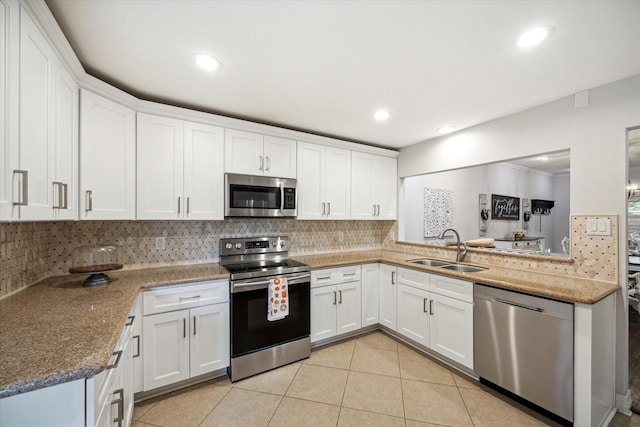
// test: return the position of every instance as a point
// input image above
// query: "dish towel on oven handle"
(278, 303)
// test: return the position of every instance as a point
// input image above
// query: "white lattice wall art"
(438, 210)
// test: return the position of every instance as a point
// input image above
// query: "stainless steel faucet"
(461, 247)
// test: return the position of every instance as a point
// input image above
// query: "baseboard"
(623, 402)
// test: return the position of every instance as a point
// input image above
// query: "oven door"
(250, 329)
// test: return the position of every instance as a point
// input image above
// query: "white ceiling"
(325, 66)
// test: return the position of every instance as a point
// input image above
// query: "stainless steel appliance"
(259, 196)
(258, 344)
(524, 344)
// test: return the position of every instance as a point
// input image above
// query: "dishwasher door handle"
(528, 307)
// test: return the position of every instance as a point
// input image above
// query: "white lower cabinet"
(370, 294)
(428, 316)
(184, 333)
(335, 302)
(387, 296)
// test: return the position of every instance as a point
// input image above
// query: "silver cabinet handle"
(374, 210)
(340, 300)
(178, 205)
(261, 162)
(180, 299)
(194, 325)
(66, 196)
(118, 355)
(268, 164)
(424, 305)
(89, 201)
(59, 204)
(137, 338)
(120, 402)
(328, 208)
(393, 277)
(323, 211)
(24, 188)
(188, 207)
(431, 307)
(130, 320)
(184, 327)
(334, 298)
(378, 213)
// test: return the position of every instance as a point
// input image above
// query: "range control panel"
(253, 245)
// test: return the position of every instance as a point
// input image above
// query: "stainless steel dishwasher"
(524, 344)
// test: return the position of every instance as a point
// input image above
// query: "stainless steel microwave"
(259, 196)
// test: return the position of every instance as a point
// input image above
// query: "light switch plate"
(599, 226)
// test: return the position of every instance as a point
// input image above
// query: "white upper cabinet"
(107, 159)
(324, 175)
(44, 179)
(255, 154)
(180, 171)
(373, 186)
(8, 91)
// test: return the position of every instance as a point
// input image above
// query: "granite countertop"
(57, 331)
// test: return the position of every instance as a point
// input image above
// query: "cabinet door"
(136, 347)
(451, 329)
(160, 148)
(370, 280)
(203, 171)
(107, 159)
(349, 313)
(165, 348)
(243, 152)
(413, 314)
(311, 165)
(323, 312)
(362, 186)
(337, 183)
(386, 187)
(387, 302)
(209, 338)
(65, 182)
(36, 141)
(279, 157)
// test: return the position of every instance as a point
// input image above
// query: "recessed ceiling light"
(534, 36)
(446, 129)
(381, 115)
(207, 62)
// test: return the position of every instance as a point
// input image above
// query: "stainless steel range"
(260, 343)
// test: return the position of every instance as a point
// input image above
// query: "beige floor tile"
(276, 381)
(413, 423)
(487, 410)
(319, 384)
(463, 381)
(296, 412)
(424, 369)
(141, 424)
(375, 361)
(243, 408)
(140, 409)
(434, 403)
(354, 418)
(374, 393)
(335, 356)
(377, 340)
(185, 409)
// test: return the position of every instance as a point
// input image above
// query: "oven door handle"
(264, 284)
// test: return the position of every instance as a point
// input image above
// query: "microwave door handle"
(281, 199)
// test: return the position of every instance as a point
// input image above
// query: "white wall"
(596, 136)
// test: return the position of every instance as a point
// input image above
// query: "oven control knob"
(282, 243)
(228, 246)
(238, 245)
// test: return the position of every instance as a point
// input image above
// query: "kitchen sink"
(429, 262)
(463, 268)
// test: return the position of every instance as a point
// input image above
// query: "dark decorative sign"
(505, 207)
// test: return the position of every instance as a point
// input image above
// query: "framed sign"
(505, 207)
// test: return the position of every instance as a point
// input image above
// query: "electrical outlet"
(340, 236)
(392, 236)
(160, 243)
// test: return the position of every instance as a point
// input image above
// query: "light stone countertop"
(57, 331)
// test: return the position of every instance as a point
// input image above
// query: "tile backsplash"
(30, 251)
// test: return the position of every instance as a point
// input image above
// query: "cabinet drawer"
(416, 279)
(184, 296)
(335, 276)
(454, 288)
